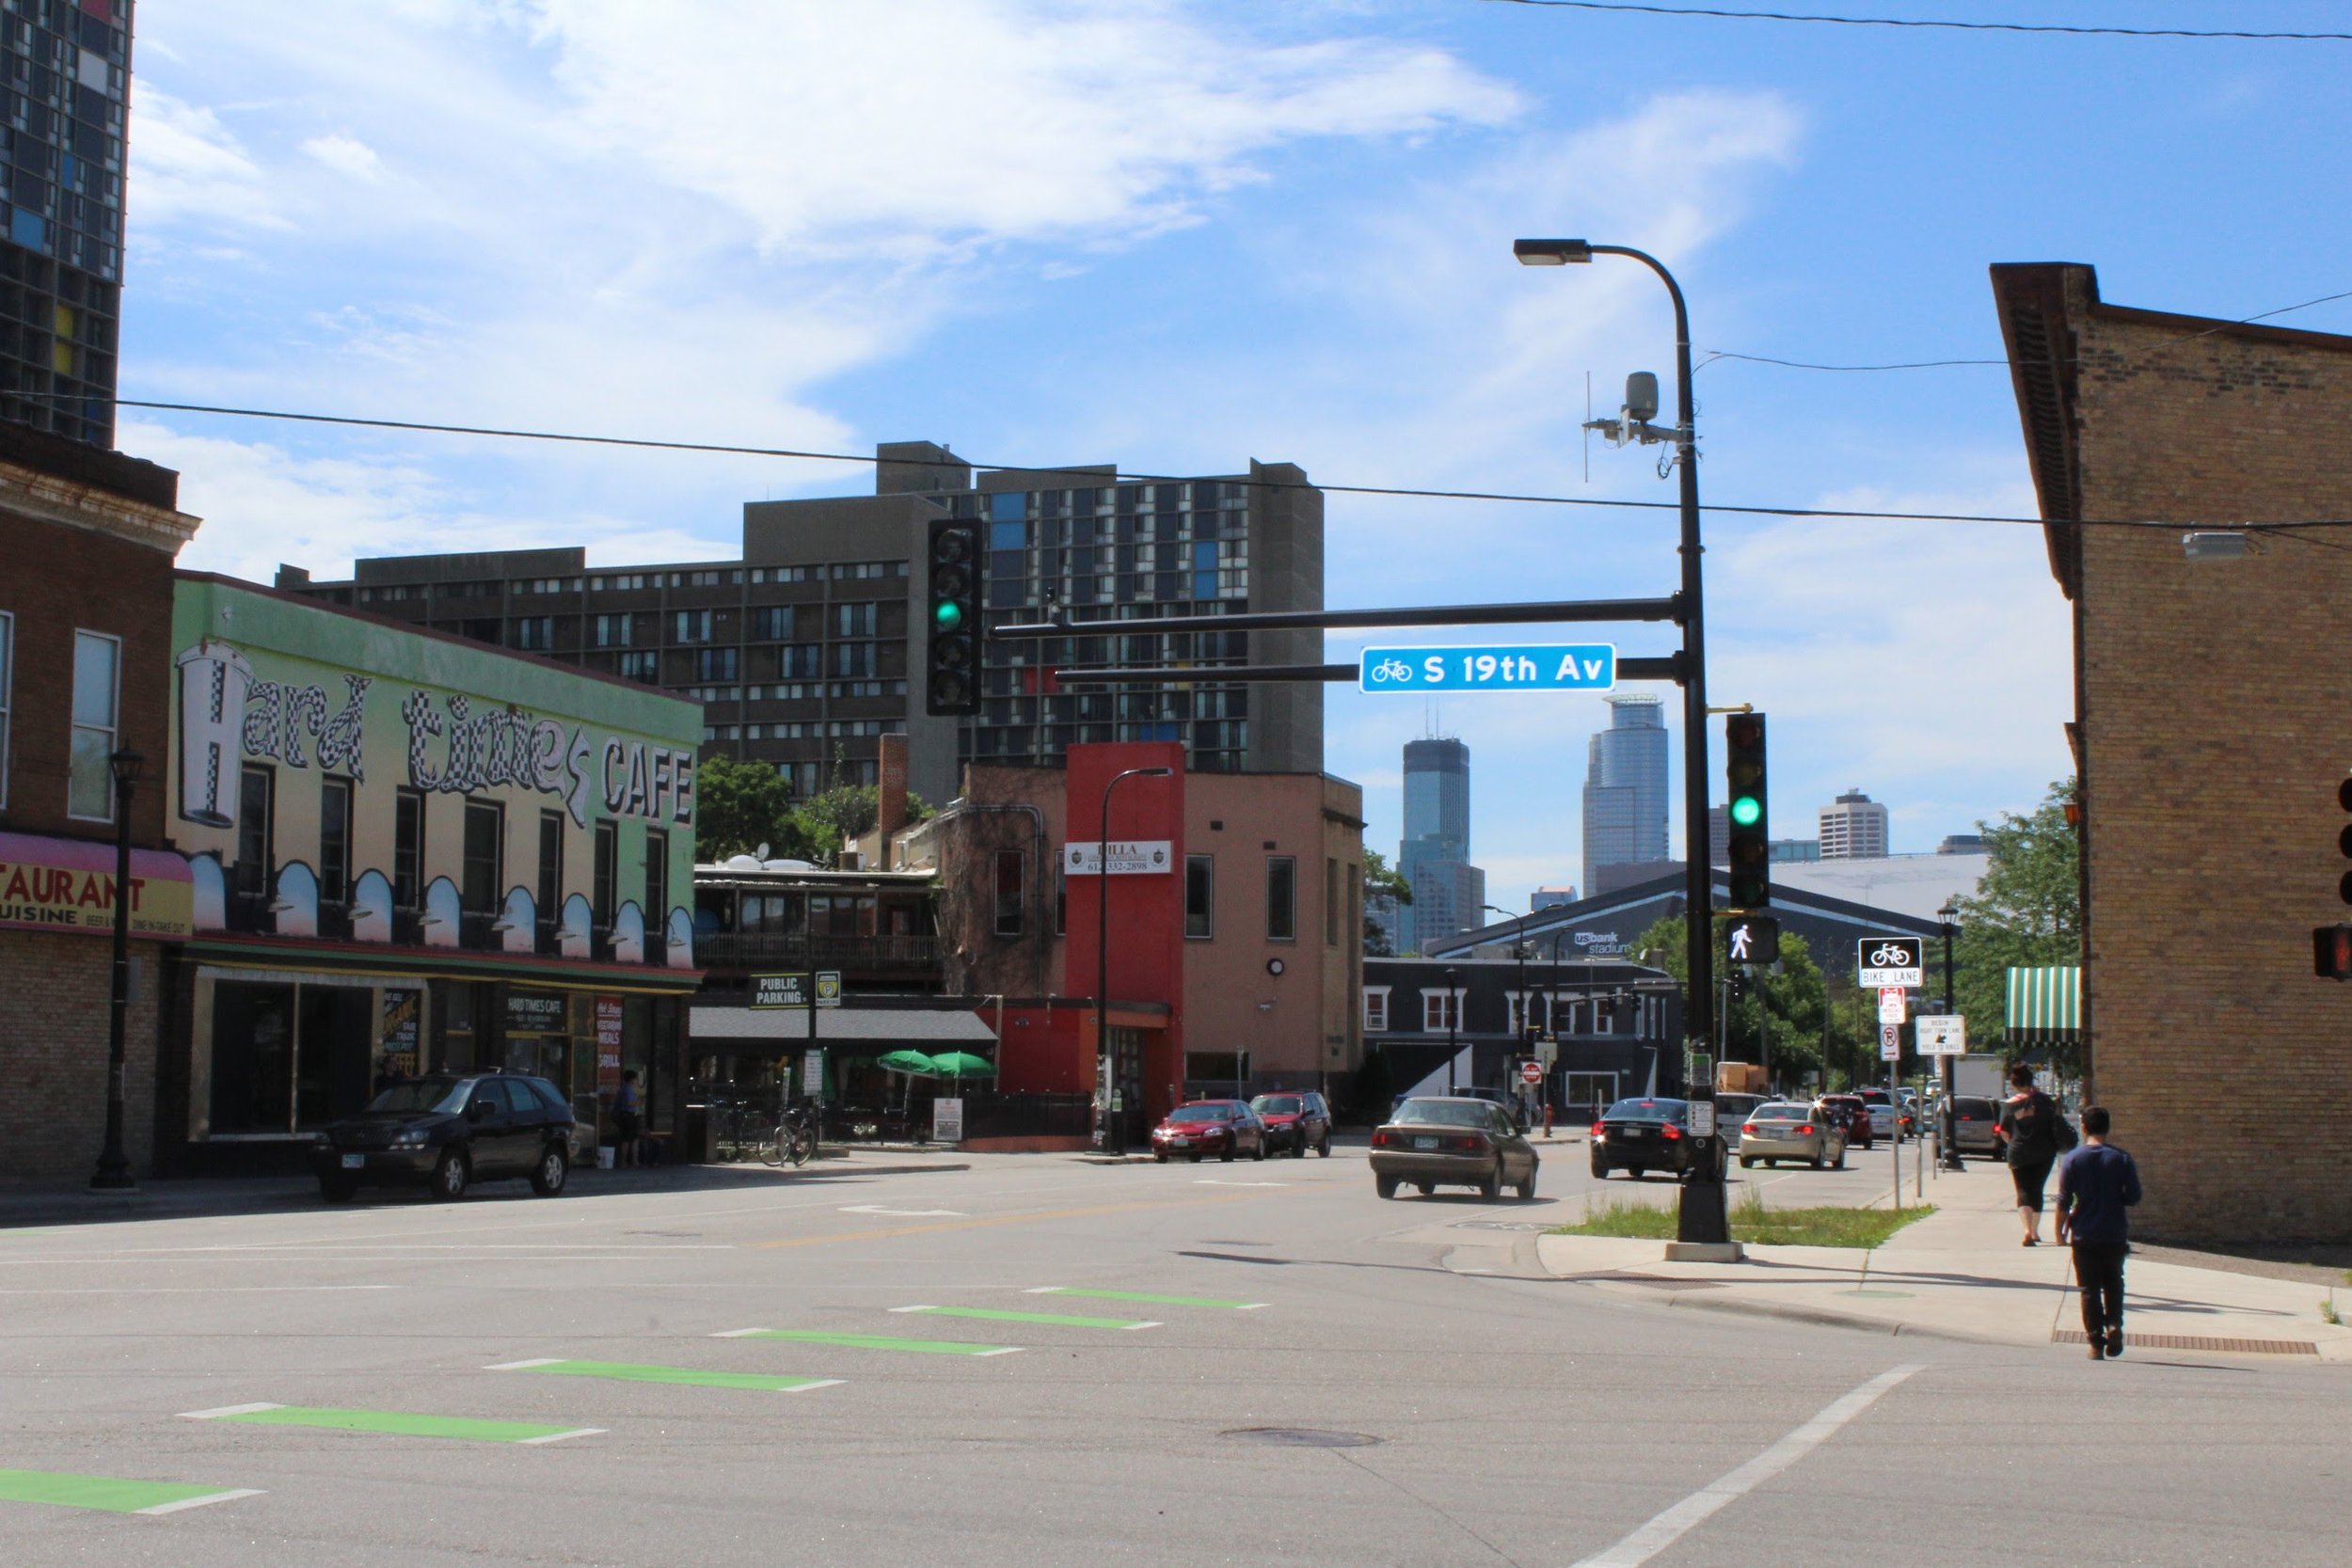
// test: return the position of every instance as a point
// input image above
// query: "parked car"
(1460, 1141)
(445, 1132)
(1297, 1122)
(1860, 1128)
(1644, 1134)
(1781, 1131)
(1224, 1128)
(1976, 1126)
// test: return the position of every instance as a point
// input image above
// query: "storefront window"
(288, 1058)
(485, 823)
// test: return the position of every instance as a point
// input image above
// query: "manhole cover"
(1302, 1437)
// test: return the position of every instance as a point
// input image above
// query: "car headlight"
(408, 1139)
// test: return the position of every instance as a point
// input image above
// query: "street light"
(1518, 956)
(1702, 1217)
(1114, 1142)
(114, 1167)
(1948, 1132)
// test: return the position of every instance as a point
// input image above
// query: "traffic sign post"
(1890, 1043)
(1491, 667)
(1890, 961)
(1530, 1073)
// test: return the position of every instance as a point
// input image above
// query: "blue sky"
(1180, 236)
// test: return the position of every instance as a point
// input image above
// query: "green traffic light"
(947, 616)
(1747, 810)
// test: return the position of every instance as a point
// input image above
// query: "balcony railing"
(799, 950)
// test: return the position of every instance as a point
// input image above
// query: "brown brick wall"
(54, 1010)
(2217, 722)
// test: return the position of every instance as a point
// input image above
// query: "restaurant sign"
(63, 884)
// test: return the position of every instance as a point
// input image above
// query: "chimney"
(891, 798)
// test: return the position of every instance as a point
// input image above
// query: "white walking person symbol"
(1739, 944)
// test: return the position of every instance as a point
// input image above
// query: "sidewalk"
(1960, 1274)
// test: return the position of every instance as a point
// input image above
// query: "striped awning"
(2045, 1005)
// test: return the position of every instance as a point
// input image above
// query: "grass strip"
(1752, 1222)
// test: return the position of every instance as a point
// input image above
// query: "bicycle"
(795, 1139)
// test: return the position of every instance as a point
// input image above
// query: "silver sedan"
(1782, 1131)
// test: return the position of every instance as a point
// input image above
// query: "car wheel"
(1322, 1149)
(1159, 1157)
(1816, 1161)
(1840, 1163)
(548, 1175)
(1227, 1156)
(1747, 1161)
(338, 1189)
(450, 1176)
(1490, 1187)
(1384, 1185)
(1526, 1189)
(1260, 1154)
(1427, 1188)
(1601, 1170)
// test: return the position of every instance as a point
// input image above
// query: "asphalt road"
(1493, 1416)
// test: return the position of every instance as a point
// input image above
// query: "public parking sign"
(1890, 961)
(1515, 666)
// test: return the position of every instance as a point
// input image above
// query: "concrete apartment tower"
(1625, 793)
(1448, 891)
(1853, 829)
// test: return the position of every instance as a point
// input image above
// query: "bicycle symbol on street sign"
(1387, 672)
(1889, 961)
(1887, 955)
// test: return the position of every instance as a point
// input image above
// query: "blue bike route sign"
(1517, 667)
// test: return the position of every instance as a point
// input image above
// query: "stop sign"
(1531, 1072)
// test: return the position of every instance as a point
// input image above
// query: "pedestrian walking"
(2037, 1134)
(627, 1125)
(2097, 1184)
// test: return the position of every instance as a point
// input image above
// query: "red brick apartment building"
(2213, 724)
(87, 538)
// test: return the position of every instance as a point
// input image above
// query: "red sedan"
(1221, 1126)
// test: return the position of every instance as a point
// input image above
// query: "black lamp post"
(1703, 1215)
(1114, 1139)
(1947, 1134)
(114, 1165)
(1453, 1019)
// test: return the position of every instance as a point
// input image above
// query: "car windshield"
(1647, 1110)
(424, 1094)
(1199, 1113)
(1276, 1104)
(1446, 1113)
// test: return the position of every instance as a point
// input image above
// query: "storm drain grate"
(2195, 1341)
(1302, 1437)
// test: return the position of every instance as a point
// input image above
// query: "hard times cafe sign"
(61, 884)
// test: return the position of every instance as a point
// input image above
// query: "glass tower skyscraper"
(1624, 790)
(1448, 891)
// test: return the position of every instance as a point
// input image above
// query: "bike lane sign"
(1882, 962)
(1491, 667)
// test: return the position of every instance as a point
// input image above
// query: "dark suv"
(1297, 1122)
(445, 1132)
(1644, 1134)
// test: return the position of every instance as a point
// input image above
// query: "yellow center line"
(1005, 1219)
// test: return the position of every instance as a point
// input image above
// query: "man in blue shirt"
(2097, 1183)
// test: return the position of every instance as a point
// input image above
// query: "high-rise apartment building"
(1624, 788)
(68, 86)
(807, 649)
(1853, 829)
(1433, 856)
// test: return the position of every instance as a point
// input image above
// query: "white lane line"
(228, 1410)
(518, 1366)
(1003, 1350)
(560, 1437)
(1694, 1510)
(910, 1309)
(910, 1213)
(820, 1383)
(204, 1501)
(738, 1333)
(1130, 1327)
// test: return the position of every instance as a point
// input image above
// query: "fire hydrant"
(1546, 1118)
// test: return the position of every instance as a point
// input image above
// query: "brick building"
(87, 538)
(2210, 734)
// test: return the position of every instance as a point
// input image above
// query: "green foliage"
(1752, 1222)
(1382, 881)
(740, 806)
(2027, 912)
(846, 812)
(1779, 1021)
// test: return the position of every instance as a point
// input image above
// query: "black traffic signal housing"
(2343, 839)
(951, 687)
(1751, 840)
(2331, 952)
(1752, 939)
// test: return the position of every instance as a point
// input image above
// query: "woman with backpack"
(2036, 1134)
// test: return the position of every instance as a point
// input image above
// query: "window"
(773, 623)
(1376, 1009)
(334, 840)
(657, 891)
(692, 626)
(715, 664)
(254, 849)
(408, 848)
(802, 661)
(1199, 897)
(852, 658)
(1441, 1010)
(1008, 881)
(613, 631)
(855, 620)
(549, 892)
(90, 789)
(534, 633)
(608, 872)
(7, 646)
(486, 831)
(1282, 898)
(1331, 902)
(645, 665)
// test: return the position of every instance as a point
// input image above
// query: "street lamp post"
(1114, 1141)
(114, 1165)
(1947, 1131)
(1453, 1025)
(1703, 1216)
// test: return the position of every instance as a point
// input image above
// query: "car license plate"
(1181, 1143)
(355, 1161)
(1425, 1143)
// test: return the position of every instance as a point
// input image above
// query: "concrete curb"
(1817, 1317)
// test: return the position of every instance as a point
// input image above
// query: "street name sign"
(1890, 961)
(1893, 1004)
(1890, 1042)
(1943, 1035)
(1491, 667)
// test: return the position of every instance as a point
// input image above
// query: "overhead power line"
(1124, 476)
(2066, 29)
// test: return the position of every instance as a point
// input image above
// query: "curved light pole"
(1112, 1140)
(1703, 1217)
(114, 1165)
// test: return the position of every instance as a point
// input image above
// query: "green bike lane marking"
(999, 1315)
(629, 1372)
(109, 1494)
(1145, 1298)
(398, 1423)
(868, 1342)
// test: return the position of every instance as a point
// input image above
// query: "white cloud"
(188, 165)
(346, 156)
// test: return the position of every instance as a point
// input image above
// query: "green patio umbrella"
(912, 1062)
(963, 1064)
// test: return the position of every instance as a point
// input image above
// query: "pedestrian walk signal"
(1752, 939)
(2331, 952)
(1750, 847)
(952, 684)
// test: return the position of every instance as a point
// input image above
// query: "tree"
(2027, 912)
(741, 805)
(1382, 881)
(846, 812)
(1778, 1020)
